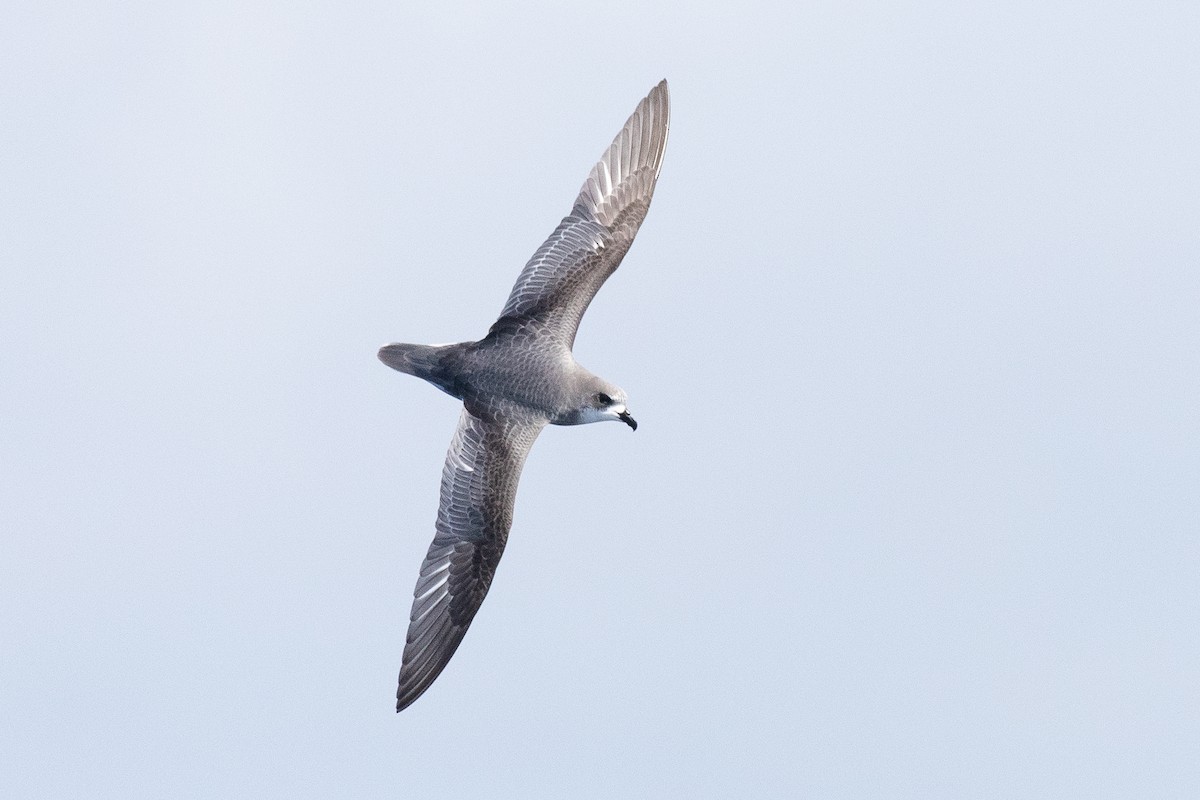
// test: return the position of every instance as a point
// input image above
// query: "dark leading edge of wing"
(559, 282)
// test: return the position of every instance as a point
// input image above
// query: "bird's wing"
(479, 484)
(559, 282)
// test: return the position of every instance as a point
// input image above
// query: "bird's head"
(602, 401)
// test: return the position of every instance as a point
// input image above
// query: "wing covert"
(479, 485)
(558, 283)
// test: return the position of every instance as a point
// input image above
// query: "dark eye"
(603, 399)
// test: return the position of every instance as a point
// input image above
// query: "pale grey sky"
(911, 333)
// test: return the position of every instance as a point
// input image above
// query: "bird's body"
(500, 372)
(516, 380)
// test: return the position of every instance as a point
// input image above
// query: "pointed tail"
(412, 359)
(425, 361)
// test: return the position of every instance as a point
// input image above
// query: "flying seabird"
(516, 380)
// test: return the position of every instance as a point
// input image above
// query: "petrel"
(516, 380)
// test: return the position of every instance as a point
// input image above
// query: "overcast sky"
(910, 332)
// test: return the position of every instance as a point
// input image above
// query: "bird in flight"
(516, 380)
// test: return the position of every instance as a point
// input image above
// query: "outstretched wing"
(559, 282)
(479, 484)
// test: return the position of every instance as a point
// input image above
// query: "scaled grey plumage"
(516, 380)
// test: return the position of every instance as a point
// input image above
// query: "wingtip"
(406, 697)
(404, 700)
